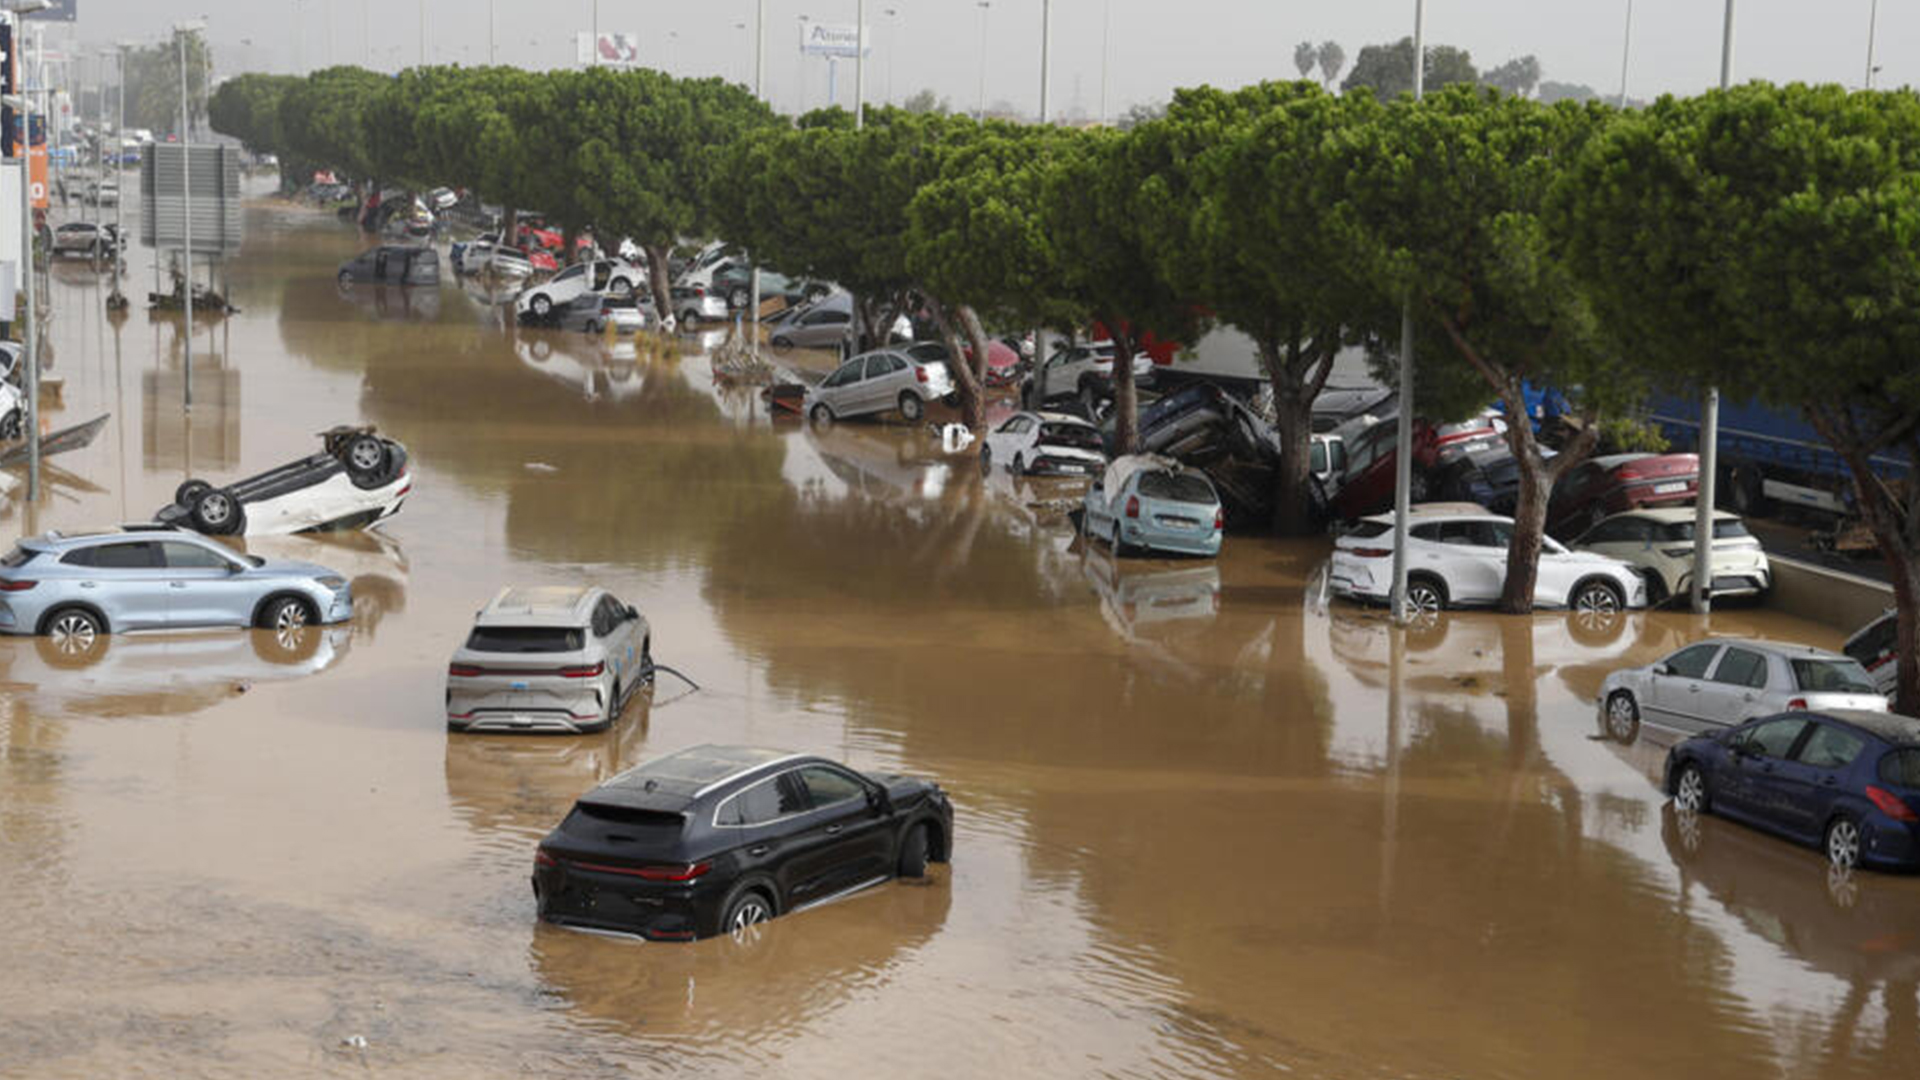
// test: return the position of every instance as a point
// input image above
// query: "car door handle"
(178, 584)
(1830, 781)
(86, 584)
(759, 849)
(832, 829)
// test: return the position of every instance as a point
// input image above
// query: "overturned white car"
(357, 480)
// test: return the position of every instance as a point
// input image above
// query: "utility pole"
(491, 23)
(860, 66)
(1626, 50)
(30, 340)
(1106, 54)
(980, 109)
(1709, 419)
(1873, 26)
(186, 203)
(120, 136)
(423, 33)
(1403, 444)
(1046, 39)
(759, 72)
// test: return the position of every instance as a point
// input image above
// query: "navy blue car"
(1846, 780)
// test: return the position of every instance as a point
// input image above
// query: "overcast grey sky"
(1153, 45)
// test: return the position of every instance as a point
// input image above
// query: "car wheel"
(286, 615)
(911, 407)
(913, 852)
(365, 456)
(1115, 543)
(740, 298)
(72, 631)
(1690, 791)
(540, 305)
(746, 909)
(622, 287)
(615, 704)
(646, 661)
(781, 343)
(1623, 717)
(11, 426)
(1596, 598)
(1843, 842)
(822, 416)
(344, 279)
(215, 513)
(189, 492)
(1426, 598)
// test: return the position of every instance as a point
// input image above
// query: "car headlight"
(332, 581)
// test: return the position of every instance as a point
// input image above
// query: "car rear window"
(19, 556)
(1901, 768)
(1831, 677)
(1671, 532)
(1077, 435)
(526, 639)
(1875, 641)
(1176, 487)
(1367, 530)
(614, 825)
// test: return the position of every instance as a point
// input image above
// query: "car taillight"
(1797, 704)
(1219, 519)
(1371, 553)
(464, 671)
(16, 585)
(676, 872)
(1133, 506)
(584, 671)
(920, 373)
(699, 290)
(1891, 805)
(541, 858)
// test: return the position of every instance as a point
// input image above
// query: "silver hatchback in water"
(555, 659)
(146, 577)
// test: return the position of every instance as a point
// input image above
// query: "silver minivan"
(554, 659)
(876, 382)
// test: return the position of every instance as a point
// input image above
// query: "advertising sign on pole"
(833, 39)
(608, 50)
(61, 11)
(37, 162)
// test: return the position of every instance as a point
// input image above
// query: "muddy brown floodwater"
(1208, 824)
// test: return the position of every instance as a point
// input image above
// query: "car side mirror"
(631, 613)
(1662, 669)
(235, 568)
(877, 799)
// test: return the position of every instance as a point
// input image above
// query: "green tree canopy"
(1388, 69)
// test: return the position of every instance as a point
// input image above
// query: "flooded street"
(1207, 823)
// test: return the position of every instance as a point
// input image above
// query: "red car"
(1367, 485)
(1604, 486)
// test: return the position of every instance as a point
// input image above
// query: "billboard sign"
(61, 11)
(833, 39)
(607, 49)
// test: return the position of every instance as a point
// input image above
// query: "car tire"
(646, 661)
(912, 409)
(746, 907)
(11, 425)
(1842, 842)
(822, 416)
(216, 512)
(1426, 596)
(286, 614)
(781, 343)
(366, 459)
(1623, 717)
(540, 305)
(73, 629)
(1690, 792)
(189, 492)
(1595, 596)
(913, 851)
(739, 298)
(621, 287)
(344, 279)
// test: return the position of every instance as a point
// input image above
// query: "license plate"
(520, 686)
(1670, 488)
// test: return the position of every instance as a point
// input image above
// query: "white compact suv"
(555, 659)
(1457, 557)
(1659, 540)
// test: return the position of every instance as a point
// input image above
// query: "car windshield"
(1668, 532)
(1182, 487)
(525, 639)
(1079, 435)
(1831, 677)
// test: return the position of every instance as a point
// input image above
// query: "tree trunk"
(510, 228)
(657, 276)
(1297, 380)
(1896, 530)
(568, 249)
(973, 411)
(1126, 396)
(1537, 477)
(867, 309)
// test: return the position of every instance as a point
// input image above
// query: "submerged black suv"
(717, 838)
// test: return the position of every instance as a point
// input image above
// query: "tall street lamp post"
(1403, 444)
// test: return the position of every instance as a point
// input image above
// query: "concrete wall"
(1845, 602)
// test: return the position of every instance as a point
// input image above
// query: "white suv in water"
(552, 659)
(1457, 557)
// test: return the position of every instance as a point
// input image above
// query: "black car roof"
(674, 782)
(1892, 727)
